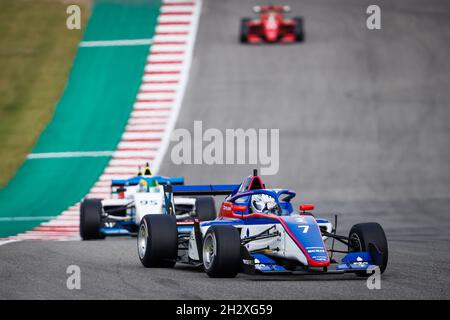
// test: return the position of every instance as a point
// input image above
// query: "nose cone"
(306, 234)
(271, 35)
(271, 30)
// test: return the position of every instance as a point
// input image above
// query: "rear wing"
(160, 179)
(172, 180)
(204, 190)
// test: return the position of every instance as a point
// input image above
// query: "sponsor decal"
(319, 258)
(148, 202)
(316, 251)
(360, 263)
(260, 266)
(248, 262)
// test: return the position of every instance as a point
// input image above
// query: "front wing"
(355, 262)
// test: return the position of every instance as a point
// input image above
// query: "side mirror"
(256, 9)
(286, 8)
(306, 207)
(121, 192)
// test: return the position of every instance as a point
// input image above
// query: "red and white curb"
(155, 111)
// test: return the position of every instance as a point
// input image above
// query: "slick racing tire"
(90, 219)
(244, 30)
(157, 241)
(205, 208)
(222, 251)
(361, 237)
(299, 30)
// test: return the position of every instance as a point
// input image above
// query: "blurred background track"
(363, 115)
(364, 119)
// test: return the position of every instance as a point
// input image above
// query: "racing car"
(271, 26)
(258, 232)
(132, 199)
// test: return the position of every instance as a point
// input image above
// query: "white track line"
(173, 28)
(176, 19)
(179, 1)
(169, 37)
(74, 154)
(33, 218)
(162, 77)
(165, 57)
(155, 95)
(3, 242)
(179, 8)
(162, 67)
(159, 86)
(188, 51)
(115, 43)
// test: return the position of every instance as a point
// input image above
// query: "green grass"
(36, 53)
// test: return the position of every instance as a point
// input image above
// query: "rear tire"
(205, 208)
(299, 30)
(157, 241)
(363, 234)
(222, 251)
(90, 219)
(244, 30)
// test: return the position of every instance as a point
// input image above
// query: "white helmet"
(263, 203)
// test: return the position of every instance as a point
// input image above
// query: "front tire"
(299, 30)
(363, 234)
(244, 30)
(90, 219)
(222, 251)
(158, 241)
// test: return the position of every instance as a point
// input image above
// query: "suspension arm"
(343, 239)
(262, 235)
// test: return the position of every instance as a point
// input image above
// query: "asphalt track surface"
(364, 131)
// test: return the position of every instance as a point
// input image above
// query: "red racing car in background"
(272, 26)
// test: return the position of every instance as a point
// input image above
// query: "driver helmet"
(146, 185)
(142, 187)
(263, 203)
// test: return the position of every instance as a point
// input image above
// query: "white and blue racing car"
(258, 231)
(134, 198)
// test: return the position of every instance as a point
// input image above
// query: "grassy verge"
(36, 53)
